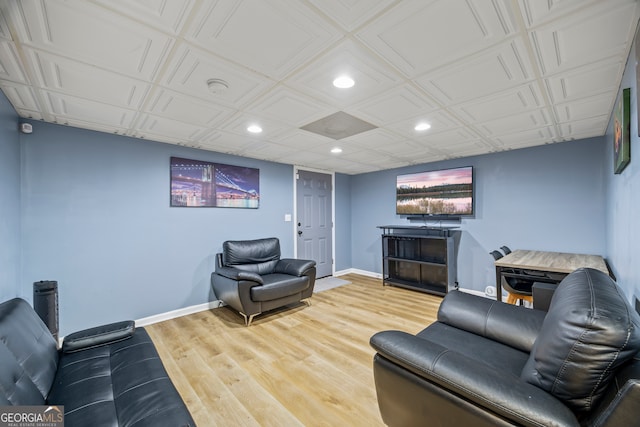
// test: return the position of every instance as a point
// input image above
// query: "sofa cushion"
(256, 256)
(589, 331)
(278, 286)
(123, 383)
(32, 346)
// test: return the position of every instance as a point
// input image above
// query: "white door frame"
(294, 228)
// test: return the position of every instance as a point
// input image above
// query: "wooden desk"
(552, 262)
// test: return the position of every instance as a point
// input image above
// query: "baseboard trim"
(178, 313)
(358, 271)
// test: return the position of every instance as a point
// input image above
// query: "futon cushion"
(589, 331)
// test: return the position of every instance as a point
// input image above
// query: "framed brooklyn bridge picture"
(196, 183)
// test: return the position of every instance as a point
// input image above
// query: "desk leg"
(499, 283)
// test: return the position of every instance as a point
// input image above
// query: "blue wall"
(623, 198)
(342, 194)
(546, 198)
(90, 210)
(96, 218)
(9, 201)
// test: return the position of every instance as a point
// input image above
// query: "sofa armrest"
(294, 267)
(496, 391)
(100, 335)
(237, 274)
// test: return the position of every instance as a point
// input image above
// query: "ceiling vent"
(338, 126)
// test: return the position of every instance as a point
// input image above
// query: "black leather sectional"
(486, 363)
(105, 376)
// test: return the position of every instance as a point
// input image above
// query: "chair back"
(257, 256)
(496, 255)
(505, 249)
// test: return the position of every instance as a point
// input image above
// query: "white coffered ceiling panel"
(10, 64)
(393, 105)
(21, 97)
(188, 109)
(291, 107)
(164, 129)
(537, 12)
(164, 15)
(439, 120)
(78, 79)
(583, 128)
(352, 13)
(486, 75)
(584, 82)
(271, 37)
(580, 40)
(346, 59)
(240, 122)
(417, 36)
(525, 121)
(584, 108)
(523, 139)
(70, 109)
(191, 68)
(502, 67)
(74, 29)
(298, 139)
(512, 101)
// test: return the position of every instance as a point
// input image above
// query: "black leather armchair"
(251, 278)
(486, 363)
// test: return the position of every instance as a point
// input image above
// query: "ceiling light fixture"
(217, 86)
(422, 126)
(336, 150)
(343, 82)
(254, 129)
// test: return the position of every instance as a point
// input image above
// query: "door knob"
(299, 233)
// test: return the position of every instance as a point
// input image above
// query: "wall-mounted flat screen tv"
(439, 192)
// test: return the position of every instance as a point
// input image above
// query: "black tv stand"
(421, 258)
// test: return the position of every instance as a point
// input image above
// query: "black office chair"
(517, 289)
(506, 250)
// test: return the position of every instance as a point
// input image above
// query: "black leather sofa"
(251, 277)
(486, 363)
(105, 376)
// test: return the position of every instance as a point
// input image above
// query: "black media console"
(419, 257)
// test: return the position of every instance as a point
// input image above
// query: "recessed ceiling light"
(343, 82)
(422, 126)
(336, 150)
(254, 129)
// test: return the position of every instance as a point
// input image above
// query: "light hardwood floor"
(303, 366)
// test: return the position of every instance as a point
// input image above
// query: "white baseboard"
(178, 313)
(357, 271)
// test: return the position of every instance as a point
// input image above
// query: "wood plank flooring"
(299, 366)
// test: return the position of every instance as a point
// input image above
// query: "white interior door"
(314, 225)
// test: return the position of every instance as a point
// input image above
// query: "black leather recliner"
(251, 277)
(110, 375)
(486, 363)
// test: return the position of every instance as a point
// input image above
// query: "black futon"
(105, 376)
